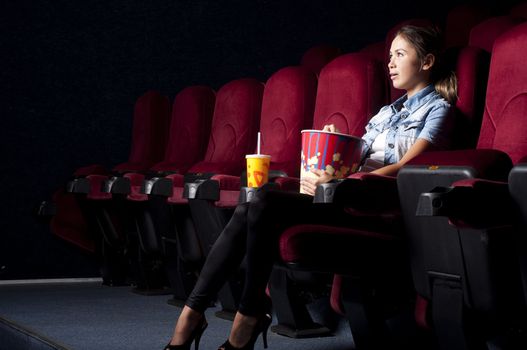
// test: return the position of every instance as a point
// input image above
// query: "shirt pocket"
(407, 135)
(412, 124)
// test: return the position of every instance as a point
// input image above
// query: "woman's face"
(407, 72)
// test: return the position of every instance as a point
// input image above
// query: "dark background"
(72, 70)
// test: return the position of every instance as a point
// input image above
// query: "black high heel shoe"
(261, 327)
(195, 337)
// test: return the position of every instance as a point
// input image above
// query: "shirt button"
(391, 145)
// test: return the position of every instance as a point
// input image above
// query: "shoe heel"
(264, 338)
(264, 331)
(196, 342)
(198, 336)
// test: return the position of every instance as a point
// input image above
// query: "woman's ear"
(428, 62)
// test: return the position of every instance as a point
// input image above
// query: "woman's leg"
(268, 217)
(223, 260)
(269, 214)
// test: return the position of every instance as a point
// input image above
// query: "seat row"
(173, 213)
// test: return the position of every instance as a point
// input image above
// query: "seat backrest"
(503, 126)
(519, 10)
(287, 108)
(149, 132)
(484, 34)
(472, 68)
(317, 57)
(234, 127)
(375, 50)
(350, 91)
(189, 131)
(460, 21)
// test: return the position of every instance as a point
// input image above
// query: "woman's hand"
(308, 185)
(330, 128)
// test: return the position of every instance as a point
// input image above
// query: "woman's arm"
(417, 148)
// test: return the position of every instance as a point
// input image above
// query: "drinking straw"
(258, 144)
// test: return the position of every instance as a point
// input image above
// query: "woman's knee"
(241, 210)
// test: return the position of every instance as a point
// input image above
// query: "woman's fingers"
(308, 186)
(318, 172)
(330, 128)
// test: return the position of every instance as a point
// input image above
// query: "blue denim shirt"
(425, 115)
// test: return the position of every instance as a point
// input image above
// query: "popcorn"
(329, 169)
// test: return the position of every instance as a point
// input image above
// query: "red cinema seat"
(484, 34)
(317, 57)
(148, 219)
(350, 91)
(81, 214)
(150, 114)
(519, 10)
(233, 135)
(460, 21)
(188, 133)
(456, 209)
(287, 108)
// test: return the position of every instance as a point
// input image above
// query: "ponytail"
(446, 86)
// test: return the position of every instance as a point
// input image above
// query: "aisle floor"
(88, 315)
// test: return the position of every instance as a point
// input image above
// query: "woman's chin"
(395, 84)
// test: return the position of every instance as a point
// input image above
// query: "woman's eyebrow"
(396, 50)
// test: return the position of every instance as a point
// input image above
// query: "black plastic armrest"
(117, 185)
(47, 209)
(324, 192)
(80, 185)
(159, 186)
(247, 193)
(469, 206)
(202, 189)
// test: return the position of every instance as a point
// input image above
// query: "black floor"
(87, 315)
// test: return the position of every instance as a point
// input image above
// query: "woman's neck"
(411, 92)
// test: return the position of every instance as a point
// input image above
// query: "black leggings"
(253, 231)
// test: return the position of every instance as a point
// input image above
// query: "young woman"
(418, 121)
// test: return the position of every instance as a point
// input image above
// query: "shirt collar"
(414, 102)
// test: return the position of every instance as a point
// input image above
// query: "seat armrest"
(367, 191)
(202, 189)
(117, 185)
(47, 209)
(81, 185)
(487, 164)
(227, 182)
(324, 193)
(291, 184)
(247, 193)
(475, 203)
(158, 186)
(90, 185)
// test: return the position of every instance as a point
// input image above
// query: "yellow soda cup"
(257, 169)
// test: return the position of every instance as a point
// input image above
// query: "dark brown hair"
(428, 40)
